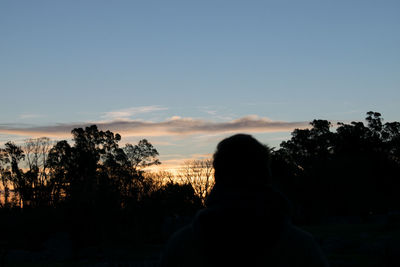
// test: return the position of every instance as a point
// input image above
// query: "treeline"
(94, 171)
(96, 190)
(352, 171)
(92, 189)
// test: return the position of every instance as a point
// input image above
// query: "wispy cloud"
(217, 112)
(124, 114)
(175, 126)
(25, 116)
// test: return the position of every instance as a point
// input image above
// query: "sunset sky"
(185, 74)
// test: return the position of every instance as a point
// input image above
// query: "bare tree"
(36, 155)
(199, 174)
(157, 180)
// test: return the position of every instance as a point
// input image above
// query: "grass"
(360, 244)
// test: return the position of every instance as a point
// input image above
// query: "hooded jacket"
(246, 227)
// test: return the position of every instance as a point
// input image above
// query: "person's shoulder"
(300, 248)
(177, 247)
(182, 237)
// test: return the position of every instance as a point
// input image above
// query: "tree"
(198, 174)
(176, 199)
(60, 163)
(13, 154)
(141, 155)
(36, 155)
(91, 145)
(391, 138)
(5, 174)
(135, 159)
(352, 171)
(374, 122)
(307, 145)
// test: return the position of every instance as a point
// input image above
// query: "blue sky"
(195, 64)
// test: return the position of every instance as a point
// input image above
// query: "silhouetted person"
(246, 222)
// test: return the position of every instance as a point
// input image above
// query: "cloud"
(123, 114)
(176, 126)
(217, 112)
(25, 116)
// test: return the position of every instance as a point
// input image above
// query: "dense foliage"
(352, 171)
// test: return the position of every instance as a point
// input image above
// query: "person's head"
(241, 161)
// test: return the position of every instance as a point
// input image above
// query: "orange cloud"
(173, 127)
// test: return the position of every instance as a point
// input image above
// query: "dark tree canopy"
(352, 171)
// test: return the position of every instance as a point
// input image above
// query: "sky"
(186, 74)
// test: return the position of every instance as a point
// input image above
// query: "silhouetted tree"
(60, 163)
(176, 199)
(141, 155)
(158, 179)
(198, 174)
(138, 157)
(14, 155)
(349, 172)
(36, 177)
(5, 174)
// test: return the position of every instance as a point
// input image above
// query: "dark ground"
(345, 240)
